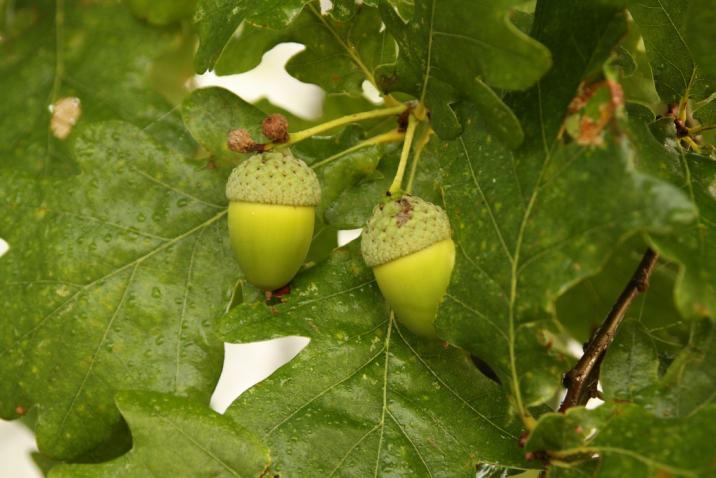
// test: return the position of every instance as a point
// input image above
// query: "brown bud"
(241, 141)
(275, 128)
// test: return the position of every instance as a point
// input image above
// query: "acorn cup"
(407, 243)
(272, 200)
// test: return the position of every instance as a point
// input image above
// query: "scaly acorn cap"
(402, 227)
(275, 177)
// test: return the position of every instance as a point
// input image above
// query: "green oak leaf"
(339, 56)
(618, 440)
(700, 35)
(532, 222)
(678, 386)
(111, 282)
(343, 10)
(162, 12)
(583, 307)
(216, 20)
(693, 247)
(210, 113)
(97, 56)
(177, 437)
(346, 52)
(452, 50)
(365, 396)
(636, 76)
(631, 362)
(676, 34)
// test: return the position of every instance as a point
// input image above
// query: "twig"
(581, 380)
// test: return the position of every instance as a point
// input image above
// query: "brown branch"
(581, 380)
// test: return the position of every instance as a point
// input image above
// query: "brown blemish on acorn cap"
(402, 227)
(274, 178)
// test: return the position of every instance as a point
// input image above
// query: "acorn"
(408, 244)
(272, 200)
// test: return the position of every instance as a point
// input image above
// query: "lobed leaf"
(692, 247)
(674, 33)
(210, 113)
(365, 396)
(666, 386)
(87, 63)
(111, 282)
(531, 223)
(177, 437)
(216, 20)
(624, 440)
(452, 50)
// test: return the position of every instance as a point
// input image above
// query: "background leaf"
(696, 176)
(117, 268)
(201, 443)
(210, 113)
(98, 54)
(216, 20)
(162, 12)
(365, 396)
(666, 386)
(700, 35)
(339, 56)
(665, 26)
(452, 50)
(630, 441)
(531, 223)
(582, 308)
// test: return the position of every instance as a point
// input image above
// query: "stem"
(699, 129)
(398, 179)
(691, 143)
(343, 120)
(389, 137)
(419, 146)
(581, 380)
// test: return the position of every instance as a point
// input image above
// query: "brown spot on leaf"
(65, 114)
(20, 410)
(592, 110)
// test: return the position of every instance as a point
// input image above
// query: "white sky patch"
(371, 93)
(3, 247)
(348, 235)
(16, 444)
(270, 81)
(245, 365)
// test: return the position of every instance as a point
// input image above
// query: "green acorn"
(272, 200)
(407, 243)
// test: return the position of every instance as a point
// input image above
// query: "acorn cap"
(274, 178)
(400, 228)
